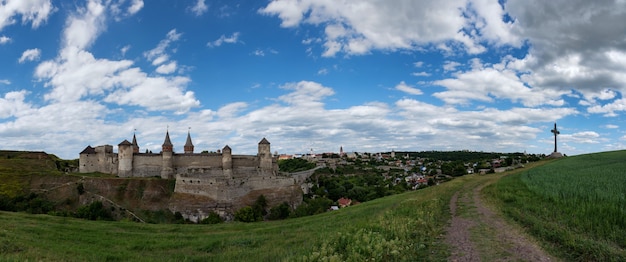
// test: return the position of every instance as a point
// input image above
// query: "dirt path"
(476, 233)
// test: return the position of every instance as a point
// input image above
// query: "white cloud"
(609, 126)
(5, 82)
(497, 81)
(199, 8)
(408, 89)
(322, 71)
(359, 27)
(124, 50)
(418, 64)
(83, 28)
(13, 104)
(586, 137)
(76, 74)
(4, 40)
(450, 65)
(34, 11)
(158, 55)
(167, 68)
(232, 39)
(231, 110)
(420, 74)
(135, 7)
(258, 52)
(30, 55)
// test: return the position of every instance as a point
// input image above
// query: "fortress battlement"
(204, 181)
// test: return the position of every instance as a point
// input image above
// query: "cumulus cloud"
(402, 86)
(167, 68)
(76, 74)
(30, 55)
(485, 83)
(575, 45)
(420, 74)
(4, 39)
(360, 27)
(135, 6)
(232, 39)
(158, 54)
(35, 11)
(199, 8)
(13, 104)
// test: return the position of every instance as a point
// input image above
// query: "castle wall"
(103, 160)
(224, 189)
(147, 165)
(197, 160)
(245, 161)
(88, 163)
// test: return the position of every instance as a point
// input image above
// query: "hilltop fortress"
(220, 182)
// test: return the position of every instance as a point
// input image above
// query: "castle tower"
(188, 145)
(135, 145)
(265, 155)
(125, 159)
(167, 170)
(227, 161)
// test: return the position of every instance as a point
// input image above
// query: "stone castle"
(205, 182)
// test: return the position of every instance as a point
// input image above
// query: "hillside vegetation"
(576, 205)
(403, 227)
(16, 167)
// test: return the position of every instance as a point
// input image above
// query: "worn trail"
(477, 233)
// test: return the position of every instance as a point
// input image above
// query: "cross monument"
(555, 132)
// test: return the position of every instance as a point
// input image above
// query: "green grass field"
(575, 205)
(405, 227)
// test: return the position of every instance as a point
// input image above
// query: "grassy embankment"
(16, 167)
(405, 227)
(575, 205)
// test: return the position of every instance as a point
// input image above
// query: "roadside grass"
(404, 227)
(576, 205)
(15, 172)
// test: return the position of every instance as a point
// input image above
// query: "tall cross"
(555, 132)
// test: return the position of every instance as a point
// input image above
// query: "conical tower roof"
(188, 143)
(135, 141)
(167, 141)
(135, 145)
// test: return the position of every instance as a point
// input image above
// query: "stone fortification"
(205, 182)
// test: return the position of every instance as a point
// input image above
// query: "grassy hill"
(405, 227)
(16, 168)
(576, 205)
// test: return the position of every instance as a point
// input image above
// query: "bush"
(80, 188)
(246, 214)
(279, 212)
(94, 211)
(213, 218)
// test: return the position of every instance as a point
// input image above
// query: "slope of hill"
(576, 205)
(16, 168)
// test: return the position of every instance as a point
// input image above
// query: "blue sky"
(367, 75)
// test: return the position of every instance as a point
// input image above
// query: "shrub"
(213, 218)
(80, 188)
(94, 211)
(245, 214)
(279, 212)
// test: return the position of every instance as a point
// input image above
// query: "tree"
(259, 207)
(213, 218)
(245, 214)
(279, 212)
